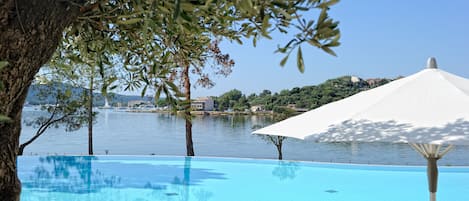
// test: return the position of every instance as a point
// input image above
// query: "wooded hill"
(307, 97)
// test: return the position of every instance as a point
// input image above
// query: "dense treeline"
(307, 97)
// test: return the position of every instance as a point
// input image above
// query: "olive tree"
(189, 56)
(86, 59)
(31, 31)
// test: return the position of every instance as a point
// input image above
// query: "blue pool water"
(145, 178)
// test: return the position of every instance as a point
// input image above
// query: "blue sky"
(384, 38)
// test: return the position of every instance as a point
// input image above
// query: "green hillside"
(307, 97)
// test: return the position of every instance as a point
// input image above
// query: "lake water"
(124, 133)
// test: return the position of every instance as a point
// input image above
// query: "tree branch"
(43, 128)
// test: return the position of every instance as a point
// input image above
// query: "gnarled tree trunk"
(29, 34)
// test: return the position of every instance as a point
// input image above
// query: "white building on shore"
(203, 104)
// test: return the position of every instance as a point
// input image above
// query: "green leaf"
(178, 94)
(129, 21)
(113, 87)
(246, 5)
(144, 90)
(68, 93)
(111, 80)
(165, 57)
(280, 4)
(266, 35)
(314, 42)
(301, 8)
(104, 90)
(177, 9)
(158, 93)
(284, 60)
(328, 50)
(3, 64)
(187, 7)
(286, 15)
(265, 24)
(239, 41)
(254, 41)
(207, 3)
(172, 86)
(282, 30)
(5, 119)
(185, 16)
(166, 92)
(281, 50)
(335, 42)
(322, 16)
(327, 4)
(300, 63)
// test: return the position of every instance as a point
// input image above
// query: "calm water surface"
(123, 133)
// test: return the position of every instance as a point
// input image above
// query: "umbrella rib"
(442, 75)
(428, 148)
(425, 153)
(418, 149)
(432, 149)
(414, 146)
(437, 150)
(446, 150)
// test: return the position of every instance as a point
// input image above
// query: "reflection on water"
(85, 175)
(123, 133)
(286, 170)
(181, 188)
(68, 174)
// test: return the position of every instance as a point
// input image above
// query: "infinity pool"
(140, 178)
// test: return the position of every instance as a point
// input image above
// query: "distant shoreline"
(205, 113)
(198, 113)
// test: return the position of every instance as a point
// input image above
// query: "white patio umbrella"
(429, 110)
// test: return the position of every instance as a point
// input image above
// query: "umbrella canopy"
(426, 110)
(431, 107)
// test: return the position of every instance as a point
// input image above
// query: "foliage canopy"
(138, 33)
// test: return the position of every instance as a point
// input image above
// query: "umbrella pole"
(432, 174)
(432, 153)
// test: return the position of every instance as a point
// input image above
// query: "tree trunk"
(39, 132)
(279, 147)
(187, 111)
(30, 31)
(22, 146)
(90, 116)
